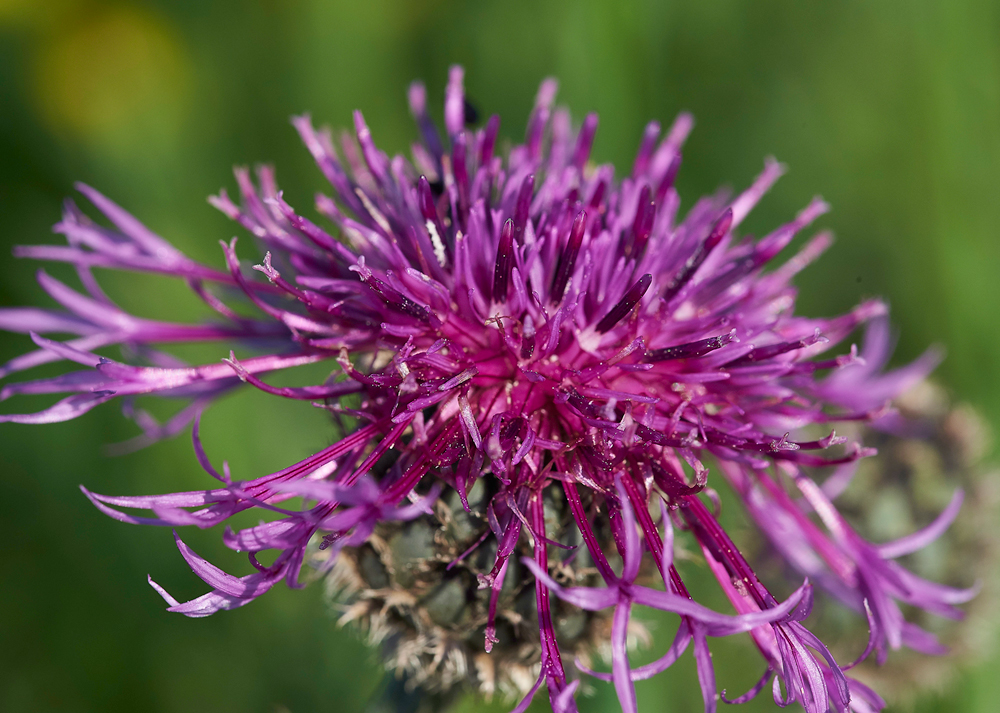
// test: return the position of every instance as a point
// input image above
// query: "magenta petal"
(130, 226)
(677, 648)
(863, 698)
(279, 534)
(120, 516)
(204, 518)
(162, 592)
(621, 673)
(213, 576)
(38, 357)
(715, 624)
(563, 702)
(90, 382)
(324, 491)
(423, 506)
(802, 675)
(667, 560)
(199, 451)
(65, 351)
(344, 520)
(632, 553)
(923, 537)
(754, 690)
(706, 671)
(679, 645)
(213, 602)
(65, 410)
(193, 498)
(923, 641)
(522, 706)
(89, 309)
(839, 680)
(42, 321)
(589, 598)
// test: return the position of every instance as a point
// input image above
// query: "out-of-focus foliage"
(891, 110)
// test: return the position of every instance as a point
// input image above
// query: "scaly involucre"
(532, 321)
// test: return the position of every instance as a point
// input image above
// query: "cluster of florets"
(529, 322)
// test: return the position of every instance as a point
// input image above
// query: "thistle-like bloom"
(531, 334)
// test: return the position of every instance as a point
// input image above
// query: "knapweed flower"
(534, 365)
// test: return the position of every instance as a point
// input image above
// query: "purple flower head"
(537, 355)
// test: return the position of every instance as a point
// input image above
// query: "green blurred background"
(891, 110)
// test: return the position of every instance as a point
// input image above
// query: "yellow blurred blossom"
(116, 79)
